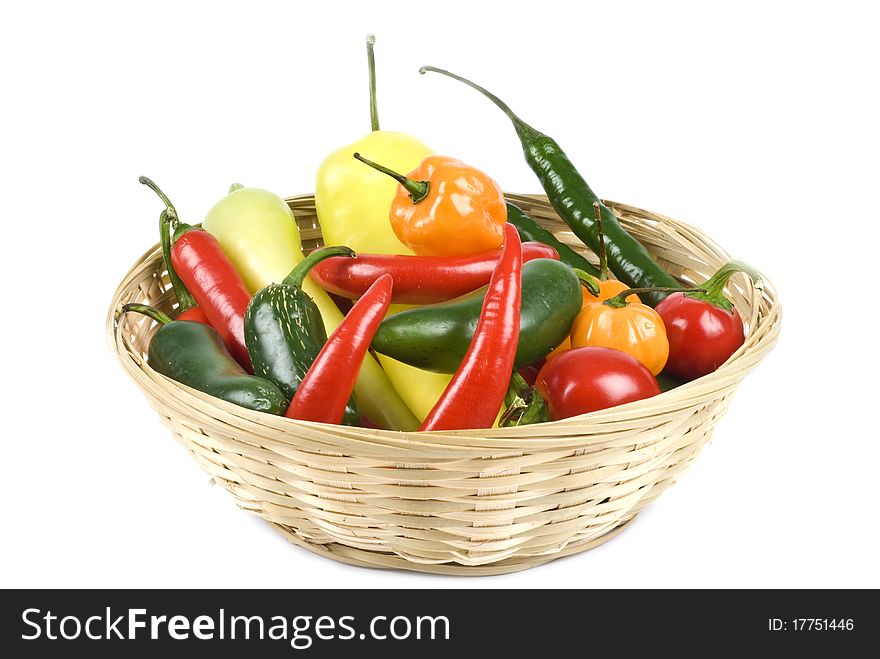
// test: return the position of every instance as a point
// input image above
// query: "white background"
(757, 123)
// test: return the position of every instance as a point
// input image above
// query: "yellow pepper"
(353, 203)
(352, 200)
(258, 232)
(419, 389)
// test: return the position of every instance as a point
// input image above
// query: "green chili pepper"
(193, 354)
(435, 337)
(529, 230)
(284, 331)
(573, 200)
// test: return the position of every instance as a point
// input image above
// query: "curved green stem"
(168, 221)
(181, 292)
(418, 190)
(588, 281)
(298, 274)
(522, 128)
(169, 207)
(620, 300)
(603, 253)
(148, 311)
(371, 65)
(713, 288)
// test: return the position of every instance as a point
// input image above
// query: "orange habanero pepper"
(633, 328)
(446, 208)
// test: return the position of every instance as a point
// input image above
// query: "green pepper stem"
(525, 131)
(588, 281)
(148, 311)
(713, 288)
(184, 298)
(298, 274)
(418, 190)
(169, 219)
(169, 207)
(620, 300)
(516, 399)
(234, 187)
(600, 235)
(371, 66)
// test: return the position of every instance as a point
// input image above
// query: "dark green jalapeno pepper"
(193, 354)
(572, 199)
(435, 337)
(528, 229)
(284, 332)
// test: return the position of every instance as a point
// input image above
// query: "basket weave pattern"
(467, 502)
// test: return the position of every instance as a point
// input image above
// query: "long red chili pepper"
(327, 385)
(475, 393)
(215, 284)
(417, 279)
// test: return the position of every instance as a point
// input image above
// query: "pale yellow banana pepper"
(258, 232)
(353, 202)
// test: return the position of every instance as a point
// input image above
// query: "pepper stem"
(298, 274)
(148, 311)
(713, 288)
(516, 400)
(619, 300)
(371, 66)
(525, 131)
(603, 254)
(524, 404)
(234, 187)
(168, 219)
(169, 207)
(418, 190)
(588, 281)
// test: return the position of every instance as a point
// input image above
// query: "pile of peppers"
(438, 304)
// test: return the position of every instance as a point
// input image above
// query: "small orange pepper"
(633, 328)
(446, 208)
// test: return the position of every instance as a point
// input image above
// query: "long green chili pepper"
(194, 354)
(573, 199)
(530, 230)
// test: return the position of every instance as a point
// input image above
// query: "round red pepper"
(584, 380)
(703, 329)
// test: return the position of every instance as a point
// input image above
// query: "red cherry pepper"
(417, 279)
(187, 308)
(215, 284)
(703, 329)
(475, 394)
(582, 380)
(327, 386)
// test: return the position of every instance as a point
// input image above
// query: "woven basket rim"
(495, 437)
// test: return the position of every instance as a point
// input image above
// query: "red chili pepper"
(215, 284)
(187, 308)
(475, 394)
(417, 279)
(328, 384)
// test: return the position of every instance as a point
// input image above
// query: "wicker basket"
(473, 502)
